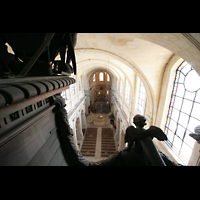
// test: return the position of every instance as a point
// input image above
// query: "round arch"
(79, 133)
(167, 85)
(115, 62)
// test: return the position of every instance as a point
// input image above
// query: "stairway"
(89, 142)
(107, 142)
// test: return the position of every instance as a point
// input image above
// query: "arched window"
(94, 77)
(141, 98)
(183, 115)
(108, 77)
(73, 89)
(64, 95)
(127, 91)
(79, 85)
(101, 76)
(121, 88)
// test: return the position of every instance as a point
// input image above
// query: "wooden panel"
(64, 163)
(57, 158)
(27, 126)
(50, 151)
(36, 145)
(42, 155)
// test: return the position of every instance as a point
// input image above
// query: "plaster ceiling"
(146, 54)
(122, 53)
(149, 52)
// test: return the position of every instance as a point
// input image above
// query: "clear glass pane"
(63, 94)
(189, 140)
(196, 110)
(101, 76)
(180, 90)
(170, 136)
(186, 151)
(189, 95)
(192, 81)
(108, 77)
(177, 143)
(178, 103)
(187, 106)
(180, 131)
(175, 114)
(121, 88)
(181, 78)
(186, 69)
(192, 124)
(141, 110)
(172, 126)
(142, 103)
(197, 98)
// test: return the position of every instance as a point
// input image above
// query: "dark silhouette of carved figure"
(25, 45)
(68, 42)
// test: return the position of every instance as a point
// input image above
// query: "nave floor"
(98, 143)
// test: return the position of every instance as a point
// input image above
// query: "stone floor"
(93, 121)
(97, 119)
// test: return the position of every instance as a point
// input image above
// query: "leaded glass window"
(141, 99)
(127, 91)
(101, 76)
(183, 115)
(73, 89)
(64, 95)
(117, 85)
(108, 77)
(79, 85)
(121, 88)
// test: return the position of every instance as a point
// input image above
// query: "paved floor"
(97, 120)
(92, 117)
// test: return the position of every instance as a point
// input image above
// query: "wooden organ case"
(29, 78)
(27, 125)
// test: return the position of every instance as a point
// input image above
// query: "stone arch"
(100, 90)
(83, 121)
(79, 133)
(167, 85)
(124, 63)
(101, 68)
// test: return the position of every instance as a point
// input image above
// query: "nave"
(98, 143)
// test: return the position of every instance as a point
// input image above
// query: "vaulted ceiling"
(146, 54)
